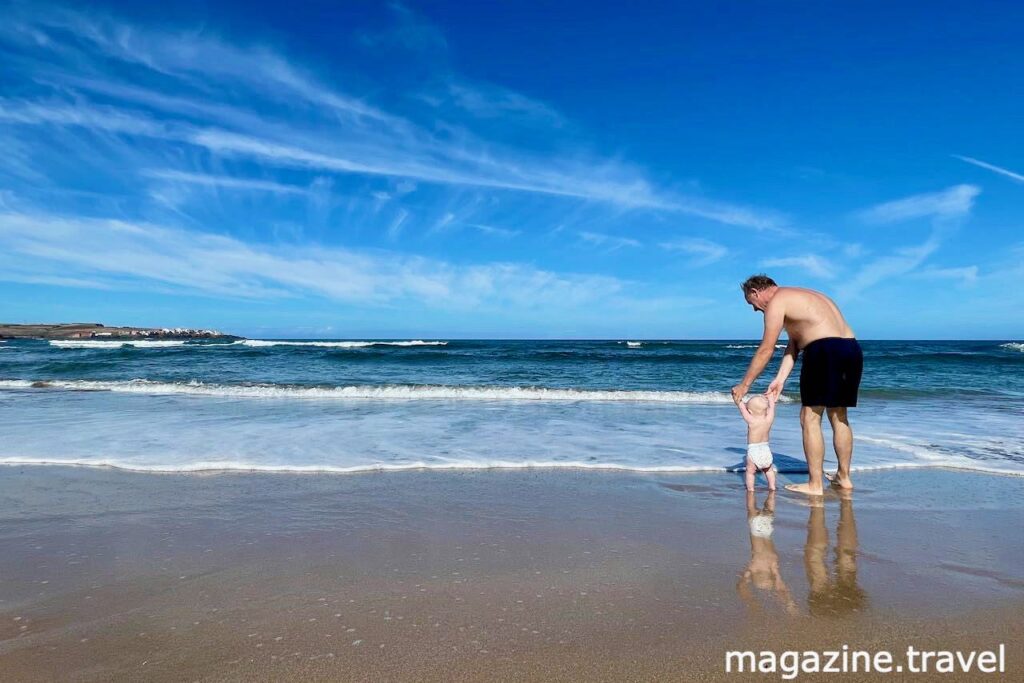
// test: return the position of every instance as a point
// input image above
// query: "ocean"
(368, 405)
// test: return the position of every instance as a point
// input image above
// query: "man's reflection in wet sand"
(762, 572)
(833, 594)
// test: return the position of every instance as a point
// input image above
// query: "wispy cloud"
(853, 250)
(967, 275)
(813, 264)
(240, 102)
(125, 255)
(395, 229)
(900, 262)
(227, 182)
(992, 167)
(493, 230)
(704, 252)
(96, 117)
(612, 242)
(493, 102)
(951, 203)
(944, 209)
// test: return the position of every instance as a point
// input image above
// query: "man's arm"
(774, 317)
(785, 367)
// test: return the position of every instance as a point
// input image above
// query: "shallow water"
(391, 404)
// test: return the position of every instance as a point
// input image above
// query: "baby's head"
(758, 405)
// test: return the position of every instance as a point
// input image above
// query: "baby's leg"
(770, 476)
(749, 474)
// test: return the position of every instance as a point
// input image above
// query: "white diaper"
(762, 525)
(760, 454)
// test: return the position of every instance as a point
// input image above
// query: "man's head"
(758, 290)
(758, 405)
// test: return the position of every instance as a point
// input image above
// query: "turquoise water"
(356, 405)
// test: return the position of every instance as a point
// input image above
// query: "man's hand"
(739, 391)
(774, 390)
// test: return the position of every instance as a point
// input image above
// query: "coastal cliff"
(100, 331)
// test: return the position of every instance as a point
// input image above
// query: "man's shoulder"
(790, 292)
(786, 295)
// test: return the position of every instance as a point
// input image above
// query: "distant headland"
(100, 331)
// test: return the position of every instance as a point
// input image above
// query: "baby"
(759, 413)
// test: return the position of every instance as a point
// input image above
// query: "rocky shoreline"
(103, 332)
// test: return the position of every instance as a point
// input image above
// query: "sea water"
(358, 405)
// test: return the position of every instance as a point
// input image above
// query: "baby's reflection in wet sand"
(833, 594)
(833, 590)
(762, 572)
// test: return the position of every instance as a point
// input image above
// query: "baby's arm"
(744, 410)
(770, 415)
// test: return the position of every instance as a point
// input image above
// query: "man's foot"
(805, 489)
(842, 494)
(839, 481)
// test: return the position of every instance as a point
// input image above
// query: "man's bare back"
(808, 315)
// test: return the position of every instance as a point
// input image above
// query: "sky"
(511, 170)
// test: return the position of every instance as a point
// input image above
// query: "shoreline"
(476, 574)
(214, 470)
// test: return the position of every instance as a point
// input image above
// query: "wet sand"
(492, 575)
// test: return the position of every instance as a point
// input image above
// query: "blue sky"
(451, 169)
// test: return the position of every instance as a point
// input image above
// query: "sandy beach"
(435, 340)
(490, 575)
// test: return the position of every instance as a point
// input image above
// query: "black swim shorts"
(830, 375)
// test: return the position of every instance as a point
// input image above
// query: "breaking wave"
(750, 346)
(256, 343)
(115, 344)
(386, 392)
(260, 343)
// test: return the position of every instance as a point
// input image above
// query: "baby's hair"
(758, 405)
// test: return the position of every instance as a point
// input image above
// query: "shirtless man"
(829, 378)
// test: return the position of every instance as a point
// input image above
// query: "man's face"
(755, 299)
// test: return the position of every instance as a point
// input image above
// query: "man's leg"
(842, 439)
(814, 450)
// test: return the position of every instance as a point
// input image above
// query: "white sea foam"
(1013, 346)
(750, 346)
(897, 444)
(399, 392)
(115, 344)
(634, 344)
(143, 426)
(215, 466)
(259, 343)
(242, 466)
